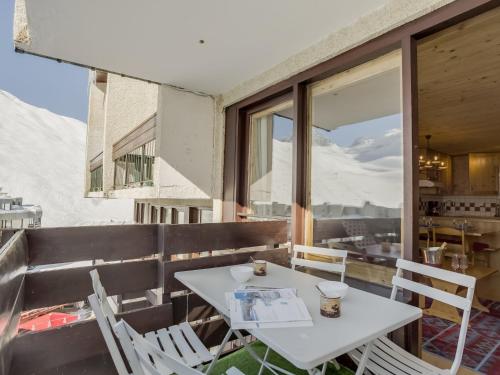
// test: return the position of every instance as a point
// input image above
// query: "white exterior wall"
(185, 144)
(184, 160)
(128, 103)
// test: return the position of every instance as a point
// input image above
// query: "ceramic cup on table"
(329, 307)
(259, 267)
(241, 273)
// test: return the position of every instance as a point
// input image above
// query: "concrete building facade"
(181, 177)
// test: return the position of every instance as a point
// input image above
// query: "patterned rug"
(482, 348)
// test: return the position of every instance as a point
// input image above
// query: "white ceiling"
(368, 99)
(158, 40)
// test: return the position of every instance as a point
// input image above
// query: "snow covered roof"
(209, 46)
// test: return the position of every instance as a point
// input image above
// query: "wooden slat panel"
(139, 136)
(5, 235)
(220, 236)
(213, 332)
(13, 260)
(111, 242)
(36, 352)
(48, 288)
(198, 308)
(101, 364)
(96, 161)
(278, 256)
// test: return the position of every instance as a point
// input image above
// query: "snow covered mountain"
(42, 159)
(370, 170)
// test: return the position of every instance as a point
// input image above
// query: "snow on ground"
(42, 159)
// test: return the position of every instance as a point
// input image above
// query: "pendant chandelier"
(430, 162)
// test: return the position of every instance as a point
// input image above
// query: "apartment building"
(152, 143)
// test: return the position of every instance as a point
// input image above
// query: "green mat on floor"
(246, 364)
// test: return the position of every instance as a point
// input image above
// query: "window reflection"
(270, 164)
(356, 191)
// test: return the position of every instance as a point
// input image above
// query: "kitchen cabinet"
(483, 173)
(460, 174)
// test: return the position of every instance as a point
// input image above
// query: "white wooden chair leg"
(364, 358)
(263, 361)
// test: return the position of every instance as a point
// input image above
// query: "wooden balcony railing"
(131, 259)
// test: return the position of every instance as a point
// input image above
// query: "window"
(356, 189)
(135, 168)
(96, 179)
(270, 162)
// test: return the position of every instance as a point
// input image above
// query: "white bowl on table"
(241, 273)
(333, 289)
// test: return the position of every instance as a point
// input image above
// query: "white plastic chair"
(387, 358)
(179, 341)
(324, 266)
(147, 359)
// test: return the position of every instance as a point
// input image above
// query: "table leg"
(221, 348)
(263, 360)
(364, 359)
(267, 365)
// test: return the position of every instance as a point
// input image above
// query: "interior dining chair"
(458, 234)
(388, 358)
(147, 359)
(179, 341)
(427, 234)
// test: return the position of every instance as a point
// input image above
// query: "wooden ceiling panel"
(459, 86)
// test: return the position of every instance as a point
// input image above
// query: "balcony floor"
(248, 365)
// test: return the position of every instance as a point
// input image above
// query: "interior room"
(459, 158)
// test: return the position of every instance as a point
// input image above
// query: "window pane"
(270, 166)
(356, 166)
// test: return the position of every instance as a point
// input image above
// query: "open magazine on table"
(267, 308)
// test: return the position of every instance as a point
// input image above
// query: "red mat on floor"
(482, 348)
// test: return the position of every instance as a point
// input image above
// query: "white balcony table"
(364, 316)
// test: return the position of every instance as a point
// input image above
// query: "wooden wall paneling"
(278, 256)
(191, 307)
(59, 286)
(216, 236)
(111, 242)
(38, 351)
(459, 71)
(13, 265)
(6, 235)
(101, 364)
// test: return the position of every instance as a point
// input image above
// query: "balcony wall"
(133, 260)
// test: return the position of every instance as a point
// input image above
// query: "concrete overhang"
(208, 46)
